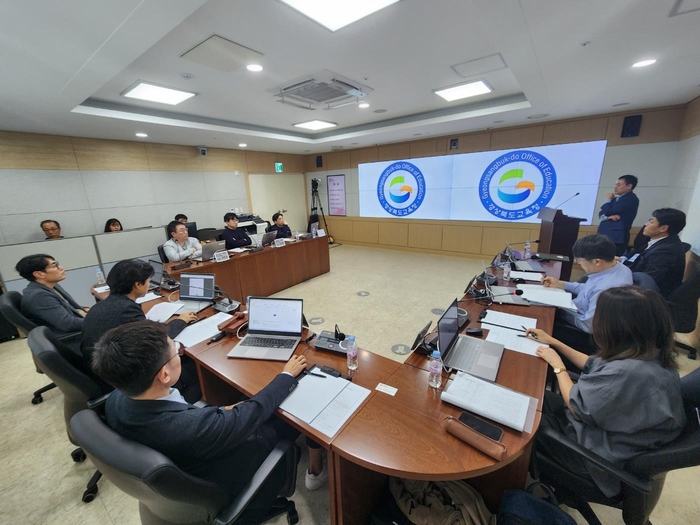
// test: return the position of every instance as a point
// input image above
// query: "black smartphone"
(481, 426)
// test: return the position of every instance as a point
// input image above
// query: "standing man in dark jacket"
(618, 212)
(234, 236)
(663, 259)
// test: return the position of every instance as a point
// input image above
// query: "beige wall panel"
(494, 239)
(691, 120)
(168, 157)
(365, 231)
(260, 161)
(469, 143)
(517, 138)
(291, 163)
(534, 235)
(657, 126)
(362, 156)
(428, 148)
(219, 159)
(110, 155)
(576, 131)
(310, 163)
(338, 160)
(393, 234)
(426, 236)
(341, 230)
(394, 151)
(33, 151)
(462, 239)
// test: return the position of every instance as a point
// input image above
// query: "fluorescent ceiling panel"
(315, 125)
(471, 89)
(334, 14)
(153, 93)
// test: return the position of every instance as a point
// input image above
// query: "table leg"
(354, 491)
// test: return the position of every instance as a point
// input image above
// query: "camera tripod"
(316, 204)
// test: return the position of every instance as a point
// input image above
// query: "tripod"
(316, 204)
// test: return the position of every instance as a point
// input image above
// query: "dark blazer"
(42, 306)
(282, 231)
(215, 444)
(235, 238)
(626, 207)
(664, 262)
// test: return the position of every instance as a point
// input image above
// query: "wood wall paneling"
(291, 163)
(470, 143)
(494, 239)
(220, 159)
(338, 160)
(363, 155)
(110, 155)
(461, 239)
(365, 231)
(575, 131)
(169, 157)
(34, 151)
(691, 120)
(657, 126)
(310, 162)
(426, 236)
(393, 234)
(341, 230)
(517, 137)
(401, 150)
(427, 148)
(260, 161)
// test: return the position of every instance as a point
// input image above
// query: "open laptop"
(197, 291)
(274, 329)
(268, 238)
(209, 249)
(157, 278)
(475, 356)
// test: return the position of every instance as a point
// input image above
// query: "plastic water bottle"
(100, 277)
(352, 352)
(435, 379)
(526, 251)
(296, 235)
(506, 271)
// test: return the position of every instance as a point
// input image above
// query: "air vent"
(324, 88)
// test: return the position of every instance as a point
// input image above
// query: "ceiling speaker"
(319, 161)
(631, 126)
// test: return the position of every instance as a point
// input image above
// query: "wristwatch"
(558, 370)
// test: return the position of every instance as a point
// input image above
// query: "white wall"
(82, 201)
(272, 192)
(352, 189)
(688, 191)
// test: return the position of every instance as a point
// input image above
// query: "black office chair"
(207, 234)
(644, 280)
(166, 494)
(79, 391)
(642, 477)
(219, 236)
(161, 254)
(11, 309)
(683, 303)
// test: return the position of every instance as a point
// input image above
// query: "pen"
(531, 335)
(503, 326)
(316, 375)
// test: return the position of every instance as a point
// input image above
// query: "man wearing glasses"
(180, 246)
(52, 229)
(43, 300)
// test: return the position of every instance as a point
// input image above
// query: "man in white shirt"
(181, 246)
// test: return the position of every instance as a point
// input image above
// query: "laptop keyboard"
(465, 354)
(269, 342)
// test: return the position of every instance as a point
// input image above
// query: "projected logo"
(517, 185)
(401, 189)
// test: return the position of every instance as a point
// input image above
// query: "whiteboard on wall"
(336, 195)
(505, 185)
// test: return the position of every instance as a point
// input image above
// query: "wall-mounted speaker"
(631, 126)
(319, 161)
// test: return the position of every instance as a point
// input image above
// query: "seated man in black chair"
(43, 301)
(224, 445)
(663, 258)
(234, 237)
(280, 226)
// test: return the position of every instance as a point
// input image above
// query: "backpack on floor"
(521, 507)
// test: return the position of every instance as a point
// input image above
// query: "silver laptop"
(267, 238)
(274, 329)
(499, 297)
(197, 291)
(529, 266)
(468, 354)
(209, 249)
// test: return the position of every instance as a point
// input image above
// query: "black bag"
(521, 507)
(388, 512)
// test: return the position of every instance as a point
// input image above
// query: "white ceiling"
(82, 54)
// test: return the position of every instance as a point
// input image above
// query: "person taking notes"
(181, 246)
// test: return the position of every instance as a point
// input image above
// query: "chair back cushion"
(644, 280)
(161, 254)
(685, 298)
(11, 309)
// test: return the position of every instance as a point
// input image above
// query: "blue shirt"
(587, 294)
(174, 395)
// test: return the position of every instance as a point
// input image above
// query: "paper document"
(512, 340)
(528, 276)
(547, 296)
(290, 240)
(515, 322)
(101, 289)
(201, 330)
(492, 401)
(239, 250)
(163, 311)
(340, 409)
(150, 296)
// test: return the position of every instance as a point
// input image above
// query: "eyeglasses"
(179, 351)
(54, 264)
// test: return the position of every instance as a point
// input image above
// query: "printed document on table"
(312, 395)
(238, 250)
(512, 340)
(547, 296)
(150, 296)
(528, 276)
(492, 401)
(516, 322)
(334, 416)
(201, 330)
(101, 289)
(163, 311)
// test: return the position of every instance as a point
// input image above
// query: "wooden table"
(266, 272)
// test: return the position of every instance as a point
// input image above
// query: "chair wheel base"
(89, 495)
(292, 517)
(78, 455)
(36, 400)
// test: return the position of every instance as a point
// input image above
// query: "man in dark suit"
(43, 301)
(663, 258)
(618, 212)
(280, 226)
(223, 445)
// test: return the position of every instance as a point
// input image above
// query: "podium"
(558, 233)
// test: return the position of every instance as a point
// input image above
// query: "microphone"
(523, 242)
(490, 296)
(567, 200)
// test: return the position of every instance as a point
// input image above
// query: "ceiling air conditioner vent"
(321, 89)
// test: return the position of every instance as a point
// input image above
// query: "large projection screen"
(506, 185)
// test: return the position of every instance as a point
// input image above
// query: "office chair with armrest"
(219, 236)
(644, 280)
(79, 391)
(683, 303)
(166, 494)
(11, 309)
(207, 234)
(642, 477)
(161, 254)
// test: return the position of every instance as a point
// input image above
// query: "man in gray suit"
(43, 301)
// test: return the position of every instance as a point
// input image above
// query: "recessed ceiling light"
(142, 135)
(254, 67)
(315, 125)
(334, 14)
(243, 145)
(539, 115)
(363, 105)
(153, 93)
(644, 63)
(461, 91)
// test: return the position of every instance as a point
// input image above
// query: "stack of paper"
(513, 340)
(549, 296)
(163, 311)
(150, 296)
(503, 320)
(239, 250)
(201, 330)
(100, 289)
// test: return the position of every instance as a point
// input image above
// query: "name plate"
(278, 243)
(320, 233)
(221, 256)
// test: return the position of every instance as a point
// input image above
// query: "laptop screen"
(448, 329)
(197, 286)
(158, 272)
(275, 316)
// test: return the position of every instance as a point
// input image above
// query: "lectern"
(558, 233)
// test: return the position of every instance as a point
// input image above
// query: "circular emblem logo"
(401, 189)
(517, 185)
